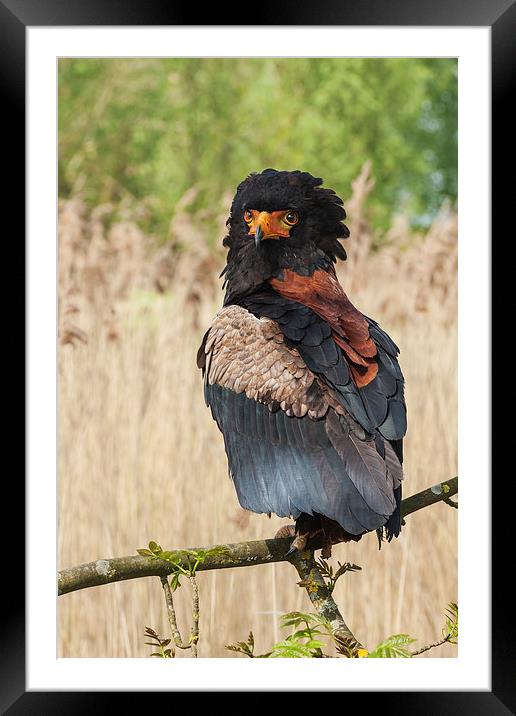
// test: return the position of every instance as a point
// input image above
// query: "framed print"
(102, 354)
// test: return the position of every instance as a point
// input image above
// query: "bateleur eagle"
(306, 390)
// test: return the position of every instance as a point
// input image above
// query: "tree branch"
(320, 596)
(171, 613)
(194, 634)
(242, 554)
(429, 646)
(437, 493)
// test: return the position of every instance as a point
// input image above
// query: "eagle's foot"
(304, 540)
(314, 533)
(298, 543)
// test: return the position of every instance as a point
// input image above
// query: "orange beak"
(267, 226)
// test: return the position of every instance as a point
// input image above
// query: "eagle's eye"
(291, 218)
(248, 216)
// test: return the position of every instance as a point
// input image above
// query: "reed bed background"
(140, 457)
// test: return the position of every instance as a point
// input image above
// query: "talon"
(299, 543)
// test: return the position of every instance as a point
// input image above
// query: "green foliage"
(140, 132)
(160, 644)
(451, 628)
(394, 647)
(297, 646)
(185, 561)
(311, 633)
(295, 619)
(304, 641)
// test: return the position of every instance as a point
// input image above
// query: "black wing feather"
(313, 467)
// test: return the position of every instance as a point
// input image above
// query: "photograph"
(258, 313)
(257, 357)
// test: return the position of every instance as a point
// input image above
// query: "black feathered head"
(279, 220)
(287, 205)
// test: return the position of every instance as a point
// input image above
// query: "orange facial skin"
(273, 225)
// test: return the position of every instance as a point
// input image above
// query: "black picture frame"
(500, 16)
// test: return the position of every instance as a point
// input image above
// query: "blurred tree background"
(141, 132)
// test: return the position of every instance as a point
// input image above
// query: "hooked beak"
(262, 227)
(267, 225)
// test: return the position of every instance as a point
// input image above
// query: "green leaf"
(392, 648)
(175, 581)
(314, 644)
(290, 650)
(296, 618)
(453, 611)
(294, 621)
(451, 629)
(305, 634)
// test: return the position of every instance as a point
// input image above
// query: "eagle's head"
(278, 218)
